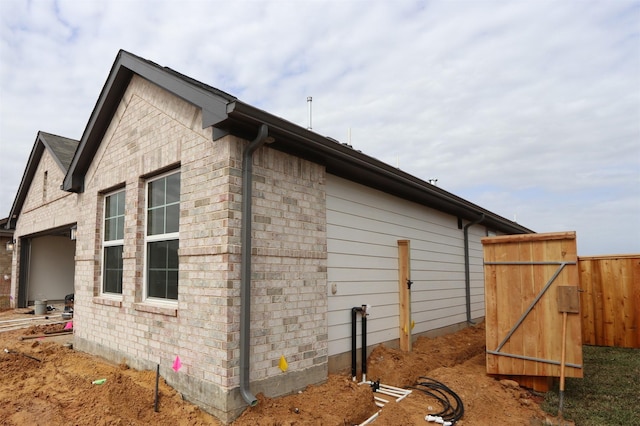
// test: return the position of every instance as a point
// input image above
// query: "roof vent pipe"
(467, 275)
(245, 267)
(309, 100)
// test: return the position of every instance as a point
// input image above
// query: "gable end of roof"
(213, 103)
(60, 148)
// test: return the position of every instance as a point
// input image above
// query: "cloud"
(531, 107)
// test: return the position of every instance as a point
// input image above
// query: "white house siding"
(363, 227)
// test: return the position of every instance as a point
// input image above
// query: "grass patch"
(609, 393)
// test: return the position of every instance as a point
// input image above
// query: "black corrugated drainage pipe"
(467, 275)
(245, 271)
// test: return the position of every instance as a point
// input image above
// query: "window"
(163, 216)
(113, 243)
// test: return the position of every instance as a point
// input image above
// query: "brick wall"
(5, 273)
(289, 313)
(151, 131)
(46, 206)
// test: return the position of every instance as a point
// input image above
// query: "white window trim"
(172, 303)
(112, 243)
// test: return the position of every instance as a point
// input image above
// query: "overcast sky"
(530, 109)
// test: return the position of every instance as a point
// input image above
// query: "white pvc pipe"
(370, 419)
(382, 391)
(395, 388)
(403, 397)
(390, 391)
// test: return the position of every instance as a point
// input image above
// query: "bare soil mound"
(44, 382)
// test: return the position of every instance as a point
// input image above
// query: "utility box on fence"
(531, 282)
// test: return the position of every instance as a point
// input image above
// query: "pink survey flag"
(69, 325)
(177, 364)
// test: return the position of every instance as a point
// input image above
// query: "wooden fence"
(610, 300)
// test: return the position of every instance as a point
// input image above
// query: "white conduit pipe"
(386, 392)
(398, 393)
(403, 397)
(390, 391)
(379, 401)
(395, 388)
(393, 391)
(370, 419)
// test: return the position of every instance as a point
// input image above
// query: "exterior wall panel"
(363, 227)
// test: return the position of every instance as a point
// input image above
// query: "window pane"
(162, 269)
(120, 198)
(173, 188)
(157, 284)
(113, 257)
(155, 221)
(111, 207)
(110, 229)
(120, 228)
(173, 218)
(114, 217)
(112, 276)
(172, 285)
(156, 193)
(172, 254)
(157, 253)
(113, 282)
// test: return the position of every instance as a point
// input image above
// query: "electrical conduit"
(245, 273)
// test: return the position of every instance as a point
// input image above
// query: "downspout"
(467, 275)
(245, 267)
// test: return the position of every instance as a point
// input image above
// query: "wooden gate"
(526, 283)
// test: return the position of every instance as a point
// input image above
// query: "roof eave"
(25, 182)
(342, 160)
(225, 114)
(213, 107)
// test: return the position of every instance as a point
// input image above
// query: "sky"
(530, 109)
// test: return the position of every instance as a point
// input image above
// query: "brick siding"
(151, 131)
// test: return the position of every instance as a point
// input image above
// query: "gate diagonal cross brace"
(561, 266)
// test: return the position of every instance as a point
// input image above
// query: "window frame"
(170, 236)
(118, 242)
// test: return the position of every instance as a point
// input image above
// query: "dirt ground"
(57, 389)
